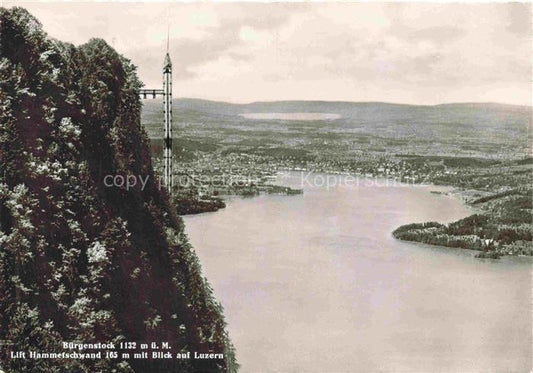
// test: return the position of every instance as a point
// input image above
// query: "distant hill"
(462, 129)
(313, 106)
(500, 114)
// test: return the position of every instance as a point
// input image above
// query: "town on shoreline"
(498, 191)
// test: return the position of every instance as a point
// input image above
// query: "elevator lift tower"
(166, 92)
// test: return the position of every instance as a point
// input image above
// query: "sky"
(417, 53)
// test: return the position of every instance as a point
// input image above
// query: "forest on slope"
(79, 261)
(502, 226)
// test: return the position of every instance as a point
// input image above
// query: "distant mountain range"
(481, 115)
(336, 106)
(462, 129)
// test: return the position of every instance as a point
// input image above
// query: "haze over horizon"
(408, 53)
(353, 102)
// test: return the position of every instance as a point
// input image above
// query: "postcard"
(260, 187)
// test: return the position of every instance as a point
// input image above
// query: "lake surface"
(316, 283)
(292, 116)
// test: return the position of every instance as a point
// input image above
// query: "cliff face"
(81, 261)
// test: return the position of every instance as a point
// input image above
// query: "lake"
(317, 283)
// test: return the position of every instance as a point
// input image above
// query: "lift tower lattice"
(167, 111)
(166, 92)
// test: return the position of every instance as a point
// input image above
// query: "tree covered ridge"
(503, 227)
(80, 261)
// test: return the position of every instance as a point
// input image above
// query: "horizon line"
(356, 102)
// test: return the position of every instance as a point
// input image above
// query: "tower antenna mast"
(168, 35)
(166, 92)
(167, 111)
